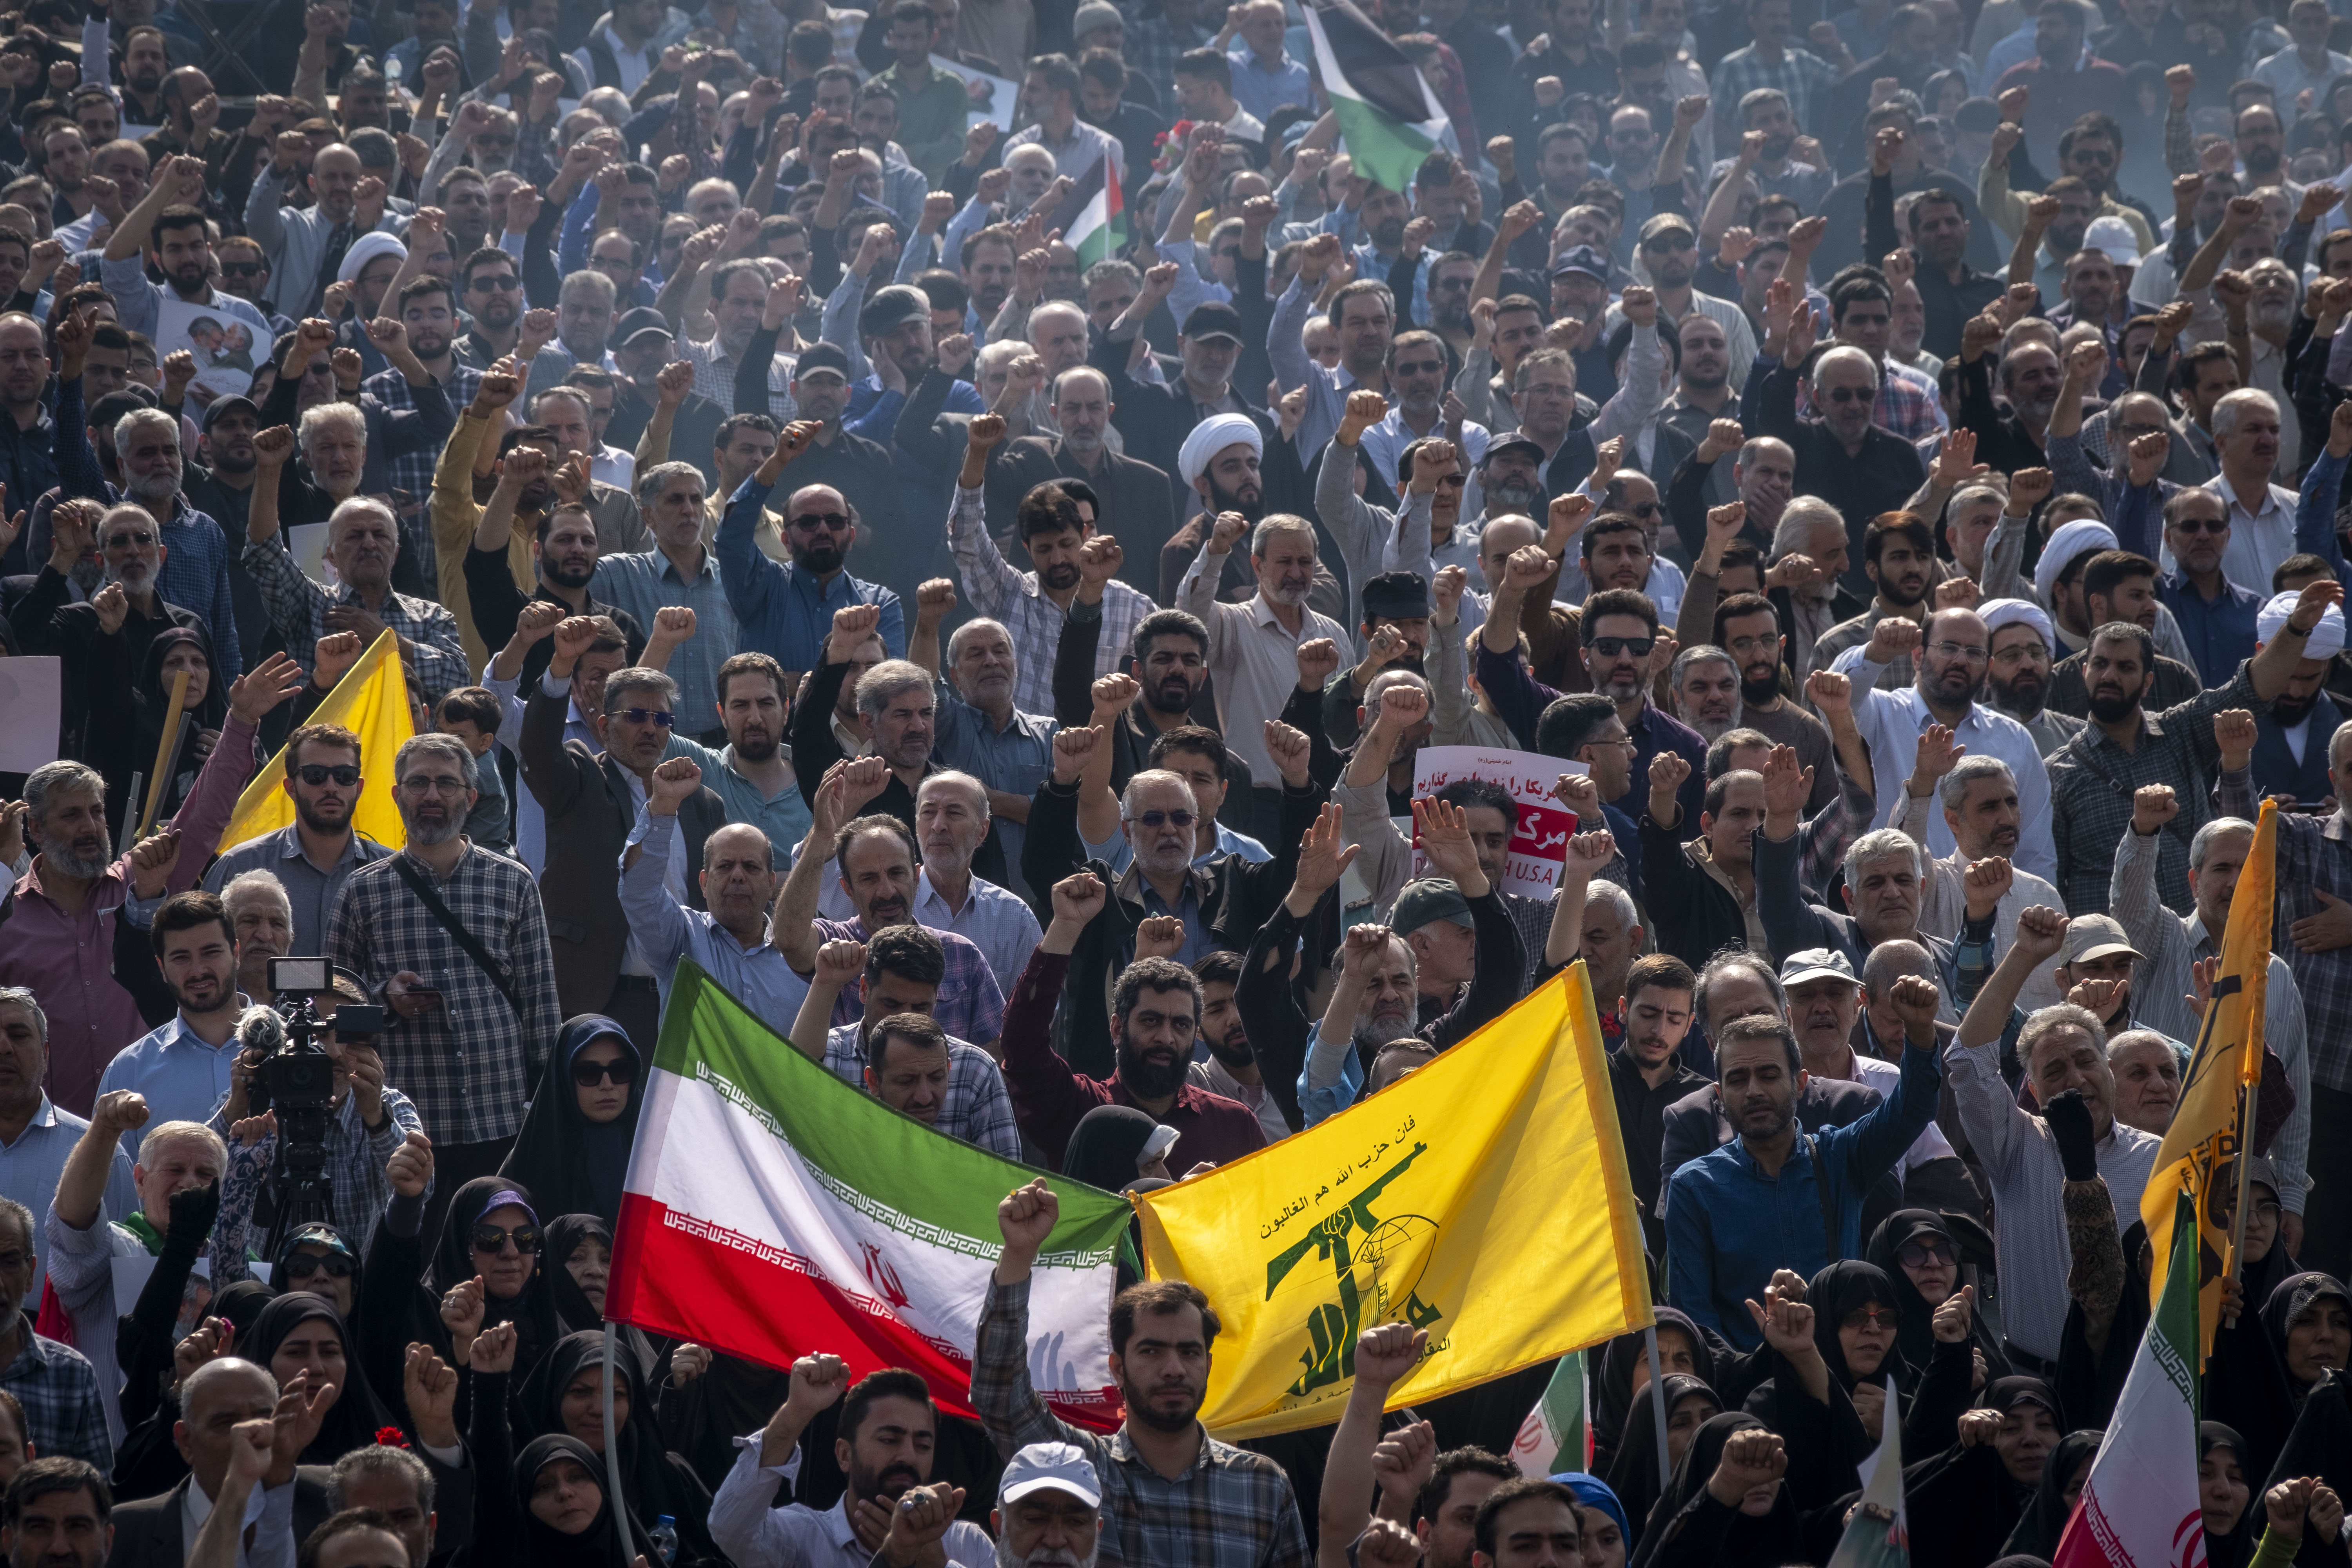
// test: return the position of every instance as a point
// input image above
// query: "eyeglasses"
(1850, 395)
(620, 1070)
(426, 784)
(1645, 508)
(243, 269)
(334, 1266)
(1743, 646)
(1919, 1254)
(490, 1238)
(1959, 650)
(494, 282)
(1611, 648)
(1421, 367)
(139, 541)
(2263, 1209)
(823, 522)
(343, 774)
(2199, 525)
(1162, 819)
(1863, 1316)
(660, 716)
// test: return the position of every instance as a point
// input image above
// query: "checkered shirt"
(1000, 593)
(468, 1064)
(64, 1416)
(298, 607)
(359, 1188)
(714, 378)
(195, 577)
(977, 1109)
(1800, 73)
(413, 472)
(1151, 47)
(1230, 1509)
(1904, 408)
(971, 1005)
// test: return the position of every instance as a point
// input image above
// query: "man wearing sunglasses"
(491, 292)
(589, 799)
(317, 851)
(1825, 1008)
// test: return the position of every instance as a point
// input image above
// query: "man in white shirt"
(627, 48)
(887, 1429)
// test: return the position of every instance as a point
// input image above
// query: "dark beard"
(2289, 711)
(1140, 1408)
(756, 751)
(1145, 1080)
(1236, 1052)
(1760, 693)
(819, 558)
(2112, 710)
(2024, 696)
(1061, 576)
(1224, 500)
(570, 579)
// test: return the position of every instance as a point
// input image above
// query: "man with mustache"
(1167, 665)
(1898, 555)
(785, 610)
(313, 856)
(171, 213)
(885, 1444)
(539, 488)
(183, 1067)
(2246, 435)
(675, 585)
(2290, 751)
(1747, 629)
(752, 771)
(2018, 683)
(2030, 379)
(1977, 797)
(1232, 1067)
(2124, 747)
(2120, 585)
(1034, 605)
(469, 1038)
(1082, 409)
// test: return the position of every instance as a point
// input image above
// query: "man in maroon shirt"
(1155, 1006)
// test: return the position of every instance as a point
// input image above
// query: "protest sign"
(1545, 823)
(29, 706)
(221, 344)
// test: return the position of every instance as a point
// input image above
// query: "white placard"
(221, 344)
(30, 710)
(1545, 824)
(308, 541)
(130, 1272)
(993, 97)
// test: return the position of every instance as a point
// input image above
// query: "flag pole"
(1658, 1406)
(2245, 1178)
(165, 748)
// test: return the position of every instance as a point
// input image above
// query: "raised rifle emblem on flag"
(882, 1277)
(1351, 1238)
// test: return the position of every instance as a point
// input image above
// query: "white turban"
(1212, 435)
(2000, 613)
(366, 249)
(2326, 639)
(2080, 537)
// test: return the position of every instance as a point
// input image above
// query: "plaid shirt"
(714, 377)
(195, 577)
(1232, 1509)
(298, 607)
(467, 1065)
(971, 1005)
(63, 1416)
(1800, 73)
(1002, 594)
(977, 1109)
(1151, 47)
(1904, 408)
(413, 472)
(359, 1188)
(2314, 856)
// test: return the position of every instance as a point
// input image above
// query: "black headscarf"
(573, 1164)
(151, 695)
(2236, 1549)
(241, 1303)
(2246, 1386)
(565, 1235)
(1614, 1402)
(533, 1311)
(1916, 1323)
(2289, 1301)
(1105, 1146)
(603, 1545)
(356, 1416)
(653, 1481)
(1843, 1287)
(1749, 1542)
(1633, 1467)
(2037, 1533)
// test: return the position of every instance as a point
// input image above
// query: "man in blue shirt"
(185, 1068)
(1778, 1197)
(2216, 616)
(786, 611)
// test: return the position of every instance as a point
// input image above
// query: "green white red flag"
(1557, 1433)
(1389, 119)
(1092, 218)
(772, 1211)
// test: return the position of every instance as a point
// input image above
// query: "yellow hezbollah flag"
(1484, 1198)
(371, 702)
(2209, 1130)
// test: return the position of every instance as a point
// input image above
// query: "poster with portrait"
(221, 344)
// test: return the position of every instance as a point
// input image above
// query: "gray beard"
(66, 863)
(426, 837)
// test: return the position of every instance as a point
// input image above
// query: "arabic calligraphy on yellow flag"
(1483, 1198)
(2208, 1131)
(371, 702)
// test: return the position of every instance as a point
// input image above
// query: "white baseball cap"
(1050, 1467)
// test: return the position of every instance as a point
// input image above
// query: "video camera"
(295, 1078)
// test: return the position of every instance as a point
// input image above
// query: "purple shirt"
(971, 1005)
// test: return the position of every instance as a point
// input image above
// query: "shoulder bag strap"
(465, 939)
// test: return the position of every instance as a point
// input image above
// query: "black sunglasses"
(343, 774)
(824, 521)
(588, 1074)
(1610, 647)
(243, 269)
(659, 716)
(302, 1265)
(491, 1239)
(495, 282)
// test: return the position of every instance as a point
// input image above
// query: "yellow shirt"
(455, 514)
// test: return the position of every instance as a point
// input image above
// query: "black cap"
(1397, 597)
(1214, 318)
(115, 405)
(891, 308)
(823, 356)
(221, 406)
(1507, 443)
(635, 323)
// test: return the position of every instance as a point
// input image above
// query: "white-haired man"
(983, 733)
(952, 819)
(362, 540)
(2246, 434)
(193, 569)
(1809, 556)
(1974, 886)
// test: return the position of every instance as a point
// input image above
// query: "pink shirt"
(67, 960)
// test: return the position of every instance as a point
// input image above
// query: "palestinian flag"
(1092, 218)
(1389, 119)
(772, 1211)
(1557, 1433)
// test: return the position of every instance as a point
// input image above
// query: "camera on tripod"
(295, 1078)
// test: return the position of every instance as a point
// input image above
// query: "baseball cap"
(1397, 597)
(823, 356)
(1214, 318)
(1581, 259)
(2113, 237)
(230, 404)
(2095, 936)
(1429, 899)
(635, 325)
(1817, 963)
(891, 308)
(1522, 443)
(1050, 1467)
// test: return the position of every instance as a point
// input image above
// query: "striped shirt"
(1016, 598)
(976, 1109)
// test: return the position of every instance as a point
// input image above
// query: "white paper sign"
(993, 97)
(1541, 842)
(130, 1274)
(221, 344)
(30, 708)
(308, 541)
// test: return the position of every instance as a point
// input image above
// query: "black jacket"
(1879, 477)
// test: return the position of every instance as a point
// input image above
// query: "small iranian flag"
(1557, 1433)
(1389, 118)
(772, 1211)
(2139, 1507)
(1092, 219)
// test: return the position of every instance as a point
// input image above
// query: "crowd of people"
(963, 519)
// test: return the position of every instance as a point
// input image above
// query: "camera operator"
(368, 1122)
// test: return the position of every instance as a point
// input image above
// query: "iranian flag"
(1092, 218)
(1557, 1433)
(2139, 1507)
(1389, 118)
(772, 1211)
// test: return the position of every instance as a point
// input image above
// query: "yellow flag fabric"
(2206, 1135)
(371, 702)
(1484, 1198)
